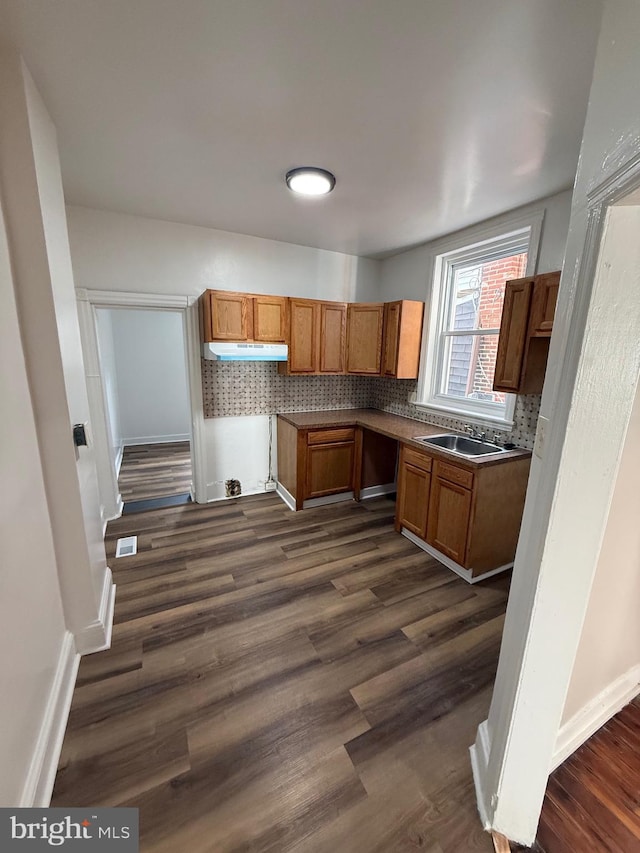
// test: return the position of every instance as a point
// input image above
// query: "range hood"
(244, 352)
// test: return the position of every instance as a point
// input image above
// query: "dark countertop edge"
(358, 417)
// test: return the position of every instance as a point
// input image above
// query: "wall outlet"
(270, 486)
(541, 436)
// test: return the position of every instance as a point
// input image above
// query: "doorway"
(143, 377)
(143, 367)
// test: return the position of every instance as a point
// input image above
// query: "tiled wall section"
(256, 388)
(392, 395)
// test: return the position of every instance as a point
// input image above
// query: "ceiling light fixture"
(310, 180)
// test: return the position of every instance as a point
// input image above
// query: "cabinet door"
(364, 337)
(330, 468)
(513, 335)
(449, 516)
(230, 316)
(270, 319)
(412, 504)
(303, 334)
(392, 314)
(333, 328)
(543, 304)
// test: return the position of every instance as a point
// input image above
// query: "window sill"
(463, 415)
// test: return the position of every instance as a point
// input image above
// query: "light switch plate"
(541, 436)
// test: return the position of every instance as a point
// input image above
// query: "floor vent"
(127, 547)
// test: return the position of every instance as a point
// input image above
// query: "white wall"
(609, 649)
(117, 252)
(104, 329)
(152, 388)
(32, 625)
(405, 275)
(590, 386)
(53, 565)
(114, 251)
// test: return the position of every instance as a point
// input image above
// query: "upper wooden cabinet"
(527, 323)
(402, 339)
(269, 319)
(303, 336)
(364, 337)
(316, 337)
(228, 316)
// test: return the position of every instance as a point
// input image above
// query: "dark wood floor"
(286, 682)
(593, 799)
(155, 470)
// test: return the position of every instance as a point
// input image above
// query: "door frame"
(593, 372)
(89, 301)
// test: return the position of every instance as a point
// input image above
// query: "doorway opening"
(146, 395)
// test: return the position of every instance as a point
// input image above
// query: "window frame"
(480, 244)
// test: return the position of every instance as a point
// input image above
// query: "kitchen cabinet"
(332, 338)
(523, 343)
(402, 339)
(450, 511)
(468, 514)
(229, 316)
(316, 337)
(414, 487)
(316, 463)
(330, 462)
(303, 337)
(269, 319)
(364, 337)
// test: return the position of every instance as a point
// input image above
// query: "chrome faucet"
(475, 433)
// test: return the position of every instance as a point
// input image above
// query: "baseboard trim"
(465, 574)
(41, 776)
(96, 637)
(286, 496)
(326, 500)
(595, 714)
(155, 439)
(377, 491)
(479, 754)
(119, 455)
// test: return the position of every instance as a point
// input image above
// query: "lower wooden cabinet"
(315, 463)
(414, 485)
(470, 515)
(330, 468)
(449, 517)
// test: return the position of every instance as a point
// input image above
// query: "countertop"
(394, 426)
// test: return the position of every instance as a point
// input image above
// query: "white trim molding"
(286, 496)
(96, 637)
(595, 714)
(154, 439)
(465, 574)
(41, 775)
(88, 302)
(594, 367)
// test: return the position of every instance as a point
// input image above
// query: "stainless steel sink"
(460, 444)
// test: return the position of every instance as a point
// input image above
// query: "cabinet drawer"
(414, 457)
(326, 436)
(453, 474)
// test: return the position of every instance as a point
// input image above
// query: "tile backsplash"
(256, 388)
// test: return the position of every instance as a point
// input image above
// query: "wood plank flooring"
(278, 682)
(593, 798)
(155, 470)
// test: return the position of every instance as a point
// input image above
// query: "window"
(468, 294)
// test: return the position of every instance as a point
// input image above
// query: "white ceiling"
(433, 114)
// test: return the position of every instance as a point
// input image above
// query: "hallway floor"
(286, 682)
(593, 799)
(155, 470)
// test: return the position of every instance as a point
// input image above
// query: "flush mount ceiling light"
(310, 180)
